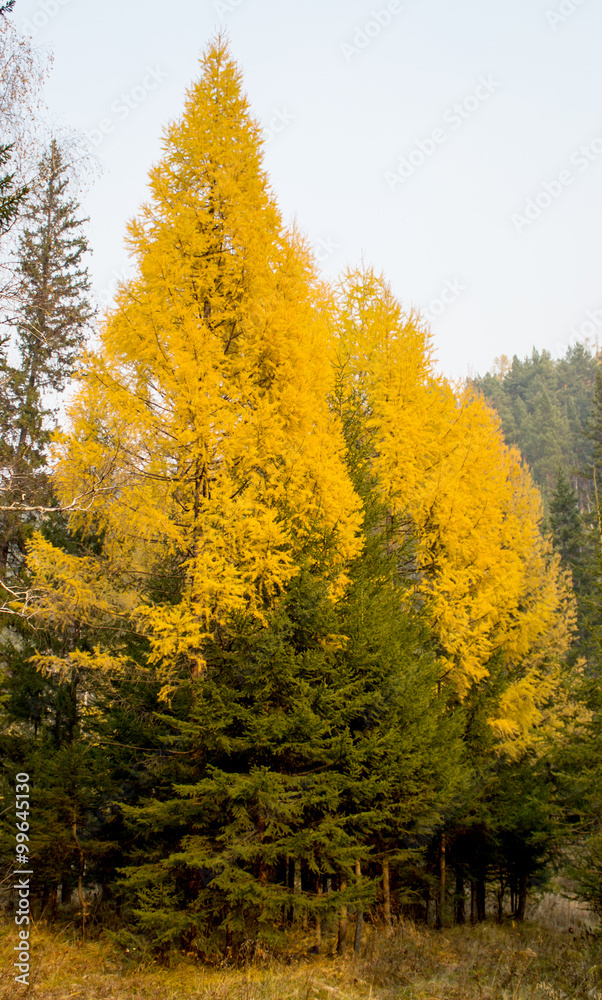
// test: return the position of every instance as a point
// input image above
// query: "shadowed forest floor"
(488, 962)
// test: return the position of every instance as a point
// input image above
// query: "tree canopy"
(294, 603)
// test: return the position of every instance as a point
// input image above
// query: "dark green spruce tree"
(573, 540)
(581, 762)
(544, 405)
(594, 427)
(316, 757)
(41, 731)
(47, 328)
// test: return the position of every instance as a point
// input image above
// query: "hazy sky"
(457, 147)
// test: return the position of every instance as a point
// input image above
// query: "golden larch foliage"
(202, 428)
(491, 584)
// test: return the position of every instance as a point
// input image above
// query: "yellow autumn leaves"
(493, 588)
(484, 563)
(205, 427)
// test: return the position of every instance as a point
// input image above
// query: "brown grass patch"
(411, 963)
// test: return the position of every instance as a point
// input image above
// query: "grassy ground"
(481, 963)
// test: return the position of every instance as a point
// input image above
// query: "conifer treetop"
(205, 408)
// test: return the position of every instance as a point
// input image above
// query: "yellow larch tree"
(201, 432)
(493, 589)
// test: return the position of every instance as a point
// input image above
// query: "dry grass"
(558, 911)
(481, 963)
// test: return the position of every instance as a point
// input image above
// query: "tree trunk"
(261, 865)
(80, 874)
(318, 917)
(500, 900)
(386, 893)
(473, 901)
(460, 912)
(301, 887)
(481, 906)
(342, 942)
(522, 896)
(291, 875)
(359, 923)
(442, 881)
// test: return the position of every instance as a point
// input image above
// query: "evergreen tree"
(573, 542)
(315, 747)
(11, 195)
(54, 310)
(41, 713)
(594, 429)
(49, 324)
(579, 757)
(567, 529)
(499, 620)
(268, 764)
(544, 407)
(509, 823)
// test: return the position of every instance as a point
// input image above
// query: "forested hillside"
(544, 405)
(551, 410)
(287, 647)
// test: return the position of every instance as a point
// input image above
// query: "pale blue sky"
(353, 100)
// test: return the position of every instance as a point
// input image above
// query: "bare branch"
(82, 503)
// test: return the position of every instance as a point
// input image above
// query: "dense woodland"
(291, 641)
(545, 407)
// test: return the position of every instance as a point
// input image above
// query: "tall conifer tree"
(575, 542)
(201, 430)
(49, 324)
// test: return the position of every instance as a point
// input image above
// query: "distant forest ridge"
(545, 408)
